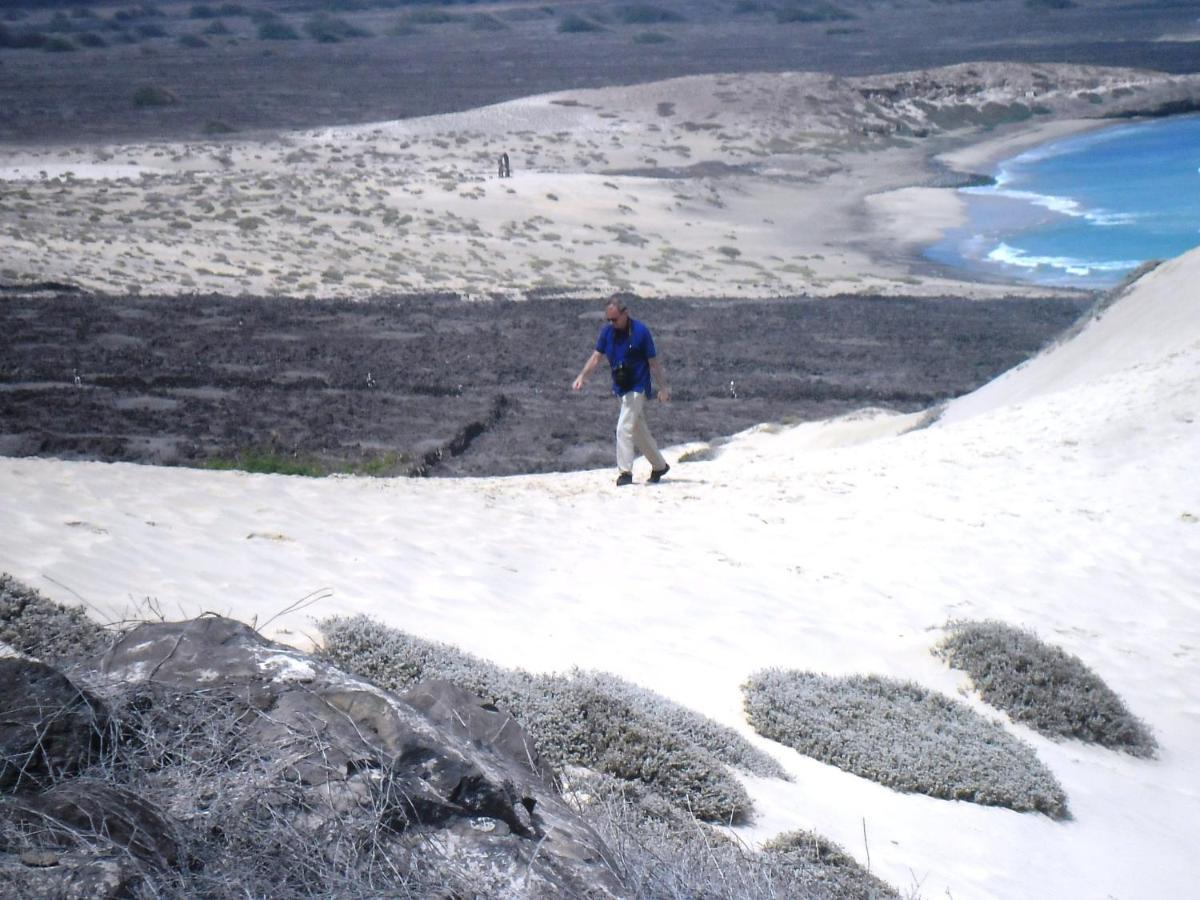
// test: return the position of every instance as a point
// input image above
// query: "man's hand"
(664, 395)
(588, 368)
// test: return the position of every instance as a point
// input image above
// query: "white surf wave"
(1005, 254)
(1064, 206)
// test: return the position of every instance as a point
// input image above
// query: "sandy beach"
(730, 186)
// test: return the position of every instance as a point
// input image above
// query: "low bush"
(37, 626)
(430, 17)
(60, 23)
(90, 40)
(59, 44)
(23, 40)
(646, 14)
(902, 736)
(572, 23)
(329, 29)
(486, 22)
(150, 95)
(192, 40)
(277, 30)
(662, 853)
(818, 11)
(1043, 686)
(651, 37)
(134, 13)
(216, 29)
(585, 719)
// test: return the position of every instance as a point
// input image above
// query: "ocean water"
(1086, 210)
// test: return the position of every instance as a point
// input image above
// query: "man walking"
(629, 348)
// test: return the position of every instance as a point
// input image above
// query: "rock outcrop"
(49, 728)
(434, 772)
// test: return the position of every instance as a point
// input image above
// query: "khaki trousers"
(633, 432)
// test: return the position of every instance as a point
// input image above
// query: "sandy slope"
(1062, 496)
(734, 185)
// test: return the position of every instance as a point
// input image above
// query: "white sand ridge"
(738, 185)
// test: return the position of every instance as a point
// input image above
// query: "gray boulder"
(51, 875)
(49, 728)
(433, 767)
(112, 819)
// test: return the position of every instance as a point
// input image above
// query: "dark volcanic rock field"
(428, 385)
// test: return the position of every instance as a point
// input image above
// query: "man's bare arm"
(588, 368)
(659, 374)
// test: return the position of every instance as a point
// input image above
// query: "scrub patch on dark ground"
(435, 385)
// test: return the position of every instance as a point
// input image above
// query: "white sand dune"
(1063, 496)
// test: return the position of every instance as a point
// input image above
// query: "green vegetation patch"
(902, 736)
(587, 719)
(280, 462)
(1043, 686)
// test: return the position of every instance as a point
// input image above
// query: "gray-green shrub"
(646, 14)
(585, 719)
(153, 95)
(662, 853)
(903, 736)
(573, 23)
(1042, 686)
(277, 30)
(810, 11)
(329, 29)
(38, 627)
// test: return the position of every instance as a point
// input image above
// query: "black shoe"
(624, 478)
(657, 474)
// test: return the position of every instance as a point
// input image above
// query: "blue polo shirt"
(634, 345)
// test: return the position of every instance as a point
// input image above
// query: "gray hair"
(621, 300)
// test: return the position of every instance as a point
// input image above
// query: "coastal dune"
(1057, 501)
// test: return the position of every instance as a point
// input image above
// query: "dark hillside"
(77, 70)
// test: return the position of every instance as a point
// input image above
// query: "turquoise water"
(1086, 210)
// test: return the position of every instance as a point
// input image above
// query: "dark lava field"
(428, 385)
